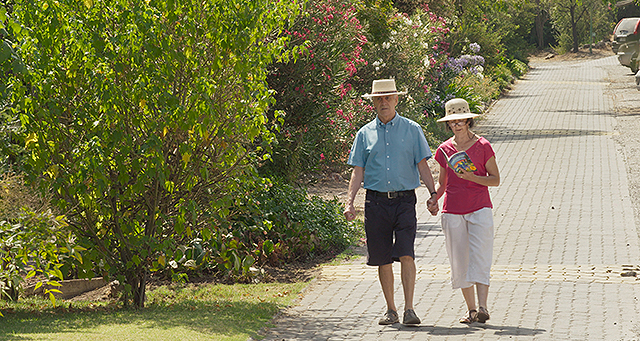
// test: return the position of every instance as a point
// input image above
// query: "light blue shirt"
(390, 153)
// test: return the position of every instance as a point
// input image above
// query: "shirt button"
(387, 143)
(387, 168)
(387, 156)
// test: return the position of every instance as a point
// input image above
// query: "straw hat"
(457, 109)
(384, 87)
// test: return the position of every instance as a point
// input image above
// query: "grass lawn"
(176, 312)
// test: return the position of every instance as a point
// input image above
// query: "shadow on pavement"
(468, 330)
(497, 134)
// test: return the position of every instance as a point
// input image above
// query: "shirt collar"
(393, 121)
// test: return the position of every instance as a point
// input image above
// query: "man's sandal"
(483, 315)
(473, 317)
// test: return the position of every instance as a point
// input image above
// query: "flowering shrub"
(320, 93)
(309, 90)
(411, 51)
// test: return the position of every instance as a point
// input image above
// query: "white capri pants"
(469, 241)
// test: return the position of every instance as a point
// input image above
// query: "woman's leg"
(456, 236)
(469, 297)
(483, 294)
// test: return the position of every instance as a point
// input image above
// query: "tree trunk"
(574, 28)
(540, 20)
(137, 279)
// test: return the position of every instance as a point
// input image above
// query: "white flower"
(426, 61)
(386, 45)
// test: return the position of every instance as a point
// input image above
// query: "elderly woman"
(467, 219)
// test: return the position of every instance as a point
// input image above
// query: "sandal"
(483, 315)
(473, 317)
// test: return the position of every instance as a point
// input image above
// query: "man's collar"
(392, 122)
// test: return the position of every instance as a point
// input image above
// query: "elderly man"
(390, 154)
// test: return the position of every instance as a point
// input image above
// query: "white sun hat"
(457, 109)
(384, 87)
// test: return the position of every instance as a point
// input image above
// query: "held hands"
(432, 205)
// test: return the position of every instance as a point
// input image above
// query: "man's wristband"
(432, 193)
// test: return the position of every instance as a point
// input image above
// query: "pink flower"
(321, 156)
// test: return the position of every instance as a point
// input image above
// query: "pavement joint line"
(527, 272)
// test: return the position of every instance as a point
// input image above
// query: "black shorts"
(390, 225)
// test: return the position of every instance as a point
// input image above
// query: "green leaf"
(52, 298)
(206, 233)
(248, 262)
(5, 51)
(267, 247)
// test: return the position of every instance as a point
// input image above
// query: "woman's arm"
(492, 179)
(442, 182)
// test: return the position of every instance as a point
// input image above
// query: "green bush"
(518, 68)
(34, 241)
(305, 227)
(272, 224)
(502, 76)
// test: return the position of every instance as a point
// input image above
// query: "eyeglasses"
(457, 123)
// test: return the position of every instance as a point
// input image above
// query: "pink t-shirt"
(464, 196)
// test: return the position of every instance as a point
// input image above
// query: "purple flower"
(474, 47)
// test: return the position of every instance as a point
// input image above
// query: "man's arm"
(427, 178)
(357, 175)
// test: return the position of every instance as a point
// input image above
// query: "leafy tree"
(142, 117)
(574, 17)
(541, 10)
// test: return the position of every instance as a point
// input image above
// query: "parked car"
(625, 42)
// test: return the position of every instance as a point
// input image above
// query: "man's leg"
(385, 274)
(408, 275)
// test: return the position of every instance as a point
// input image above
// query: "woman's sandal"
(473, 317)
(482, 315)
